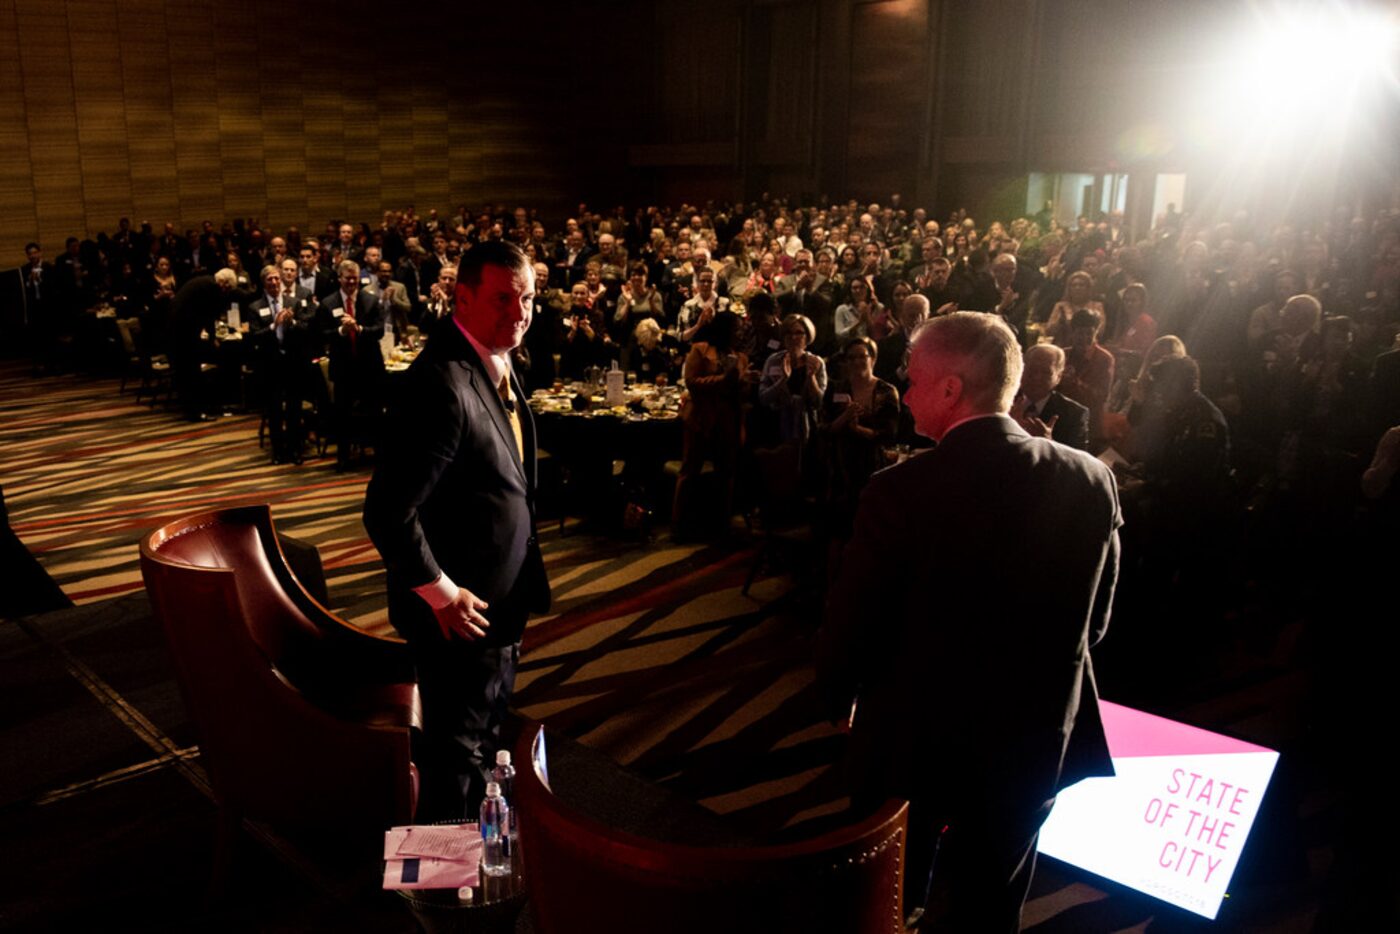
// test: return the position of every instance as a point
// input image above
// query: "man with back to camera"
(451, 508)
(978, 575)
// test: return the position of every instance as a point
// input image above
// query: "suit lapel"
(488, 394)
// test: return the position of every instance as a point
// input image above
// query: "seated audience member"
(647, 354)
(351, 326)
(701, 309)
(1179, 490)
(636, 300)
(793, 382)
(716, 377)
(1039, 409)
(1005, 290)
(861, 416)
(1079, 289)
(890, 361)
(1088, 374)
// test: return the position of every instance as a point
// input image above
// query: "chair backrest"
(242, 633)
(585, 877)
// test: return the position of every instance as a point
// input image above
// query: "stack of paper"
(437, 856)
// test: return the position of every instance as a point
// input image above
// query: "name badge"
(840, 397)
(774, 344)
(265, 312)
(337, 312)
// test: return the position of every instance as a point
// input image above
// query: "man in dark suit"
(351, 324)
(961, 621)
(1043, 412)
(451, 509)
(311, 276)
(280, 320)
(1006, 291)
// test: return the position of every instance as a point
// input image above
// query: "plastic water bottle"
(504, 774)
(495, 820)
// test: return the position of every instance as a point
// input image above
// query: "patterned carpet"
(651, 654)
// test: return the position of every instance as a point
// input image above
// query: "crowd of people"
(1211, 361)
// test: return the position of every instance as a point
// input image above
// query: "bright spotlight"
(1297, 67)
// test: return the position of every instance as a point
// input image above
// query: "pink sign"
(1173, 821)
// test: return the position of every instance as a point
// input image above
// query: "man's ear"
(952, 387)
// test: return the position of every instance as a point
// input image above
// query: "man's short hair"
(31, 245)
(980, 349)
(1055, 353)
(347, 265)
(226, 276)
(270, 270)
(1172, 374)
(501, 253)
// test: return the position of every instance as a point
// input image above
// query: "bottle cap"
(493, 790)
(503, 757)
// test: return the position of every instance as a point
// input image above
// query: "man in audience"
(1006, 292)
(890, 362)
(960, 622)
(280, 320)
(311, 276)
(1039, 409)
(351, 325)
(194, 310)
(439, 303)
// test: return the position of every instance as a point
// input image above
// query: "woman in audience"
(716, 377)
(794, 381)
(860, 416)
(586, 343)
(735, 269)
(1139, 328)
(649, 353)
(637, 300)
(765, 277)
(861, 314)
(1079, 288)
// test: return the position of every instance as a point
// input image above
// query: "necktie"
(513, 416)
(349, 302)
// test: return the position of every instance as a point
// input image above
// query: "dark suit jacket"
(449, 494)
(1073, 427)
(298, 340)
(978, 575)
(350, 359)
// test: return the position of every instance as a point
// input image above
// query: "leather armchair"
(586, 877)
(302, 719)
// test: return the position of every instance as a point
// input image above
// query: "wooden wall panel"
(430, 151)
(194, 95)
(280, 67)
(150, 126)
(889, 45)
(241, 131)
(100, 108)
(51, 118)
(353, 68)
(18, 221)
(786, 134)
(395, 110)
(323, 120)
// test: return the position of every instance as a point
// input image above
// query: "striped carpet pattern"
(651, 653)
